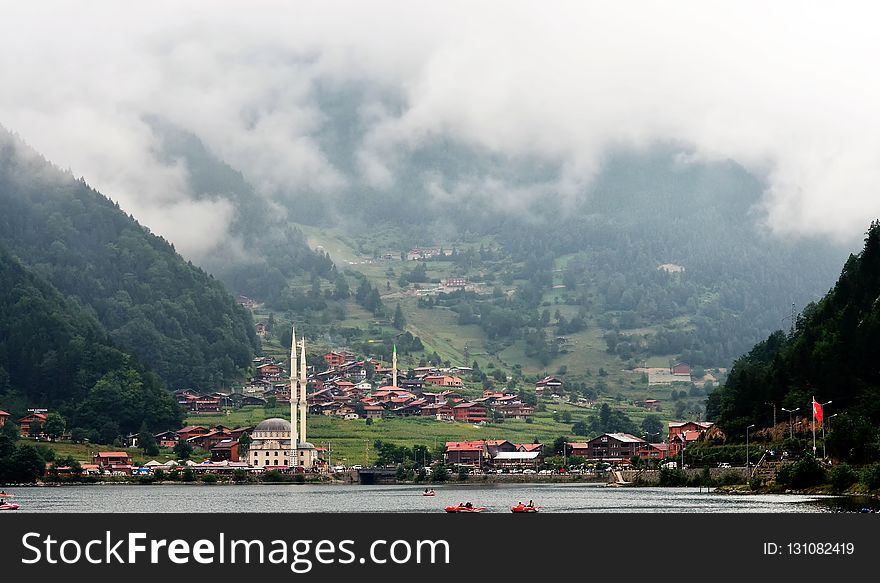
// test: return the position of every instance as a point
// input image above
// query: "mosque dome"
(275, 425)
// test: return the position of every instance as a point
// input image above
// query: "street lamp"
(748, 473)
(823, 430)
(790, 426)
(774, 412)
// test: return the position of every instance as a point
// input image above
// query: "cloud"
(789, 90)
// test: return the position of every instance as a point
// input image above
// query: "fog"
(788, 90)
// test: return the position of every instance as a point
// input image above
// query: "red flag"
(817, 411)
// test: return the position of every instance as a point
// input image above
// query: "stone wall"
(653, 476)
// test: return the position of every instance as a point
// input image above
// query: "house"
(443, 380)
(373, 411)
(618, 447)
(166, 439)
(190, 431)
(514, 410)
(529, 447)
(469, 453)
(578, 448)
(683, 433)
(262, 330)
(411, 384)
(496, 446)
(456, 282)
(3, 417)
(269, 371)
(440, 411)
(549, 386)
(651, 404)
(655, 451)
(518, 459)
(470, 413)
(115, 462)
(24, 424)
(681, 369)
(449, 396)
(334, 359)
(225, 450)
(250, 400)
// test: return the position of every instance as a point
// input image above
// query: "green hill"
(54, 354)
(173, 316)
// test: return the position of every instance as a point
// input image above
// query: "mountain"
(831, 355)
(175, 318)
(54, 354)
(263, 250)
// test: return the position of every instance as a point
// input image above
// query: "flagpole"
(813, 423)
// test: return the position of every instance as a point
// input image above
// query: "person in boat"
(531, 504)
(468, 505)
(426, 490)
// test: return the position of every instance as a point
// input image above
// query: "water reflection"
(566, 498)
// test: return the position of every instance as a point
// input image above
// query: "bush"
(804, 473)
(842, 477)
(209, 479)
(673, 477)
(756, 483)
(439, 473)
(871, 476)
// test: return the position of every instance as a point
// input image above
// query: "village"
(342, 391)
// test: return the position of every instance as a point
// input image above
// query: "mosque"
(276, 444)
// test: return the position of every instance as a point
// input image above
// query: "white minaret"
(294, 394)
(394, 367)
(301, 397)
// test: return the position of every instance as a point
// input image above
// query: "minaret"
(301, 398)
(294, 394)
(394, 367)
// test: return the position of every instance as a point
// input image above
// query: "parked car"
(724, 465)
(338, 468)
(529, 472)
(357, 467)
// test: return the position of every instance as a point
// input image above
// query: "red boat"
(428, 493)
(464, 508)
(6, 504)
(524, 508)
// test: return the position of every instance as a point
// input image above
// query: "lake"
(564, 498)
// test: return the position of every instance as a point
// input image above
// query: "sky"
(787, 89)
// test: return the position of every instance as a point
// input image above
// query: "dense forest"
(175, 318)
(832, 355)
(54, 354)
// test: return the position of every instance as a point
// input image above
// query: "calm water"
(568, 498)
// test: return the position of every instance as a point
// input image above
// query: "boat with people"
(464, 507)
(524, 508)
(6, 503)
(428, 493)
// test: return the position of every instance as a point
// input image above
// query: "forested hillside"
(173, 316)
(832, 355)
(263, 250)
(54, 354)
